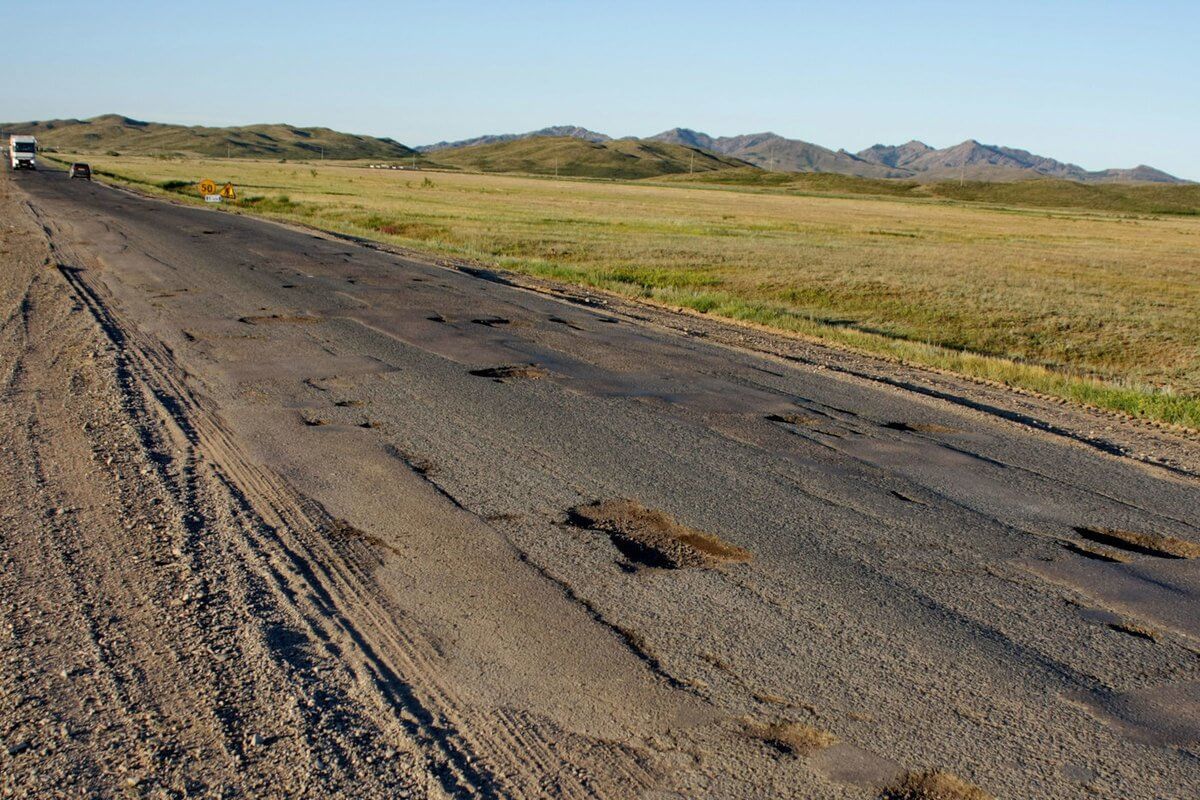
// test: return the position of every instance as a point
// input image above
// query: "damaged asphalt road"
(780, 545)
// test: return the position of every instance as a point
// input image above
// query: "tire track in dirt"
(286, 539)
(117, 570)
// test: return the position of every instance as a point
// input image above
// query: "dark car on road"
(80, 170)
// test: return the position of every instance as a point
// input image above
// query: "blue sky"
(1102, 84)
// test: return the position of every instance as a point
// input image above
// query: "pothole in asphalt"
(918, 427)
(1150, 544)
(510, 372)
(905, 498)
(492, 322)
(794, 419)
(437, 318)
(650, 538)
(770, 372)
(1107, 556)
(280, 319)
(422, 466)
(1135, 629)
(567, 322)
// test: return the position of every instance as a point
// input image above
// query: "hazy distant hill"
(568, 155)
(913, 160)
(573, 131)
(125, 135)
(773, 152)
(974, 161)
(896, 155)
(917, 160)
(1043, 192)
(580, 151)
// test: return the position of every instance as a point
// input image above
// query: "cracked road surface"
(287, 515)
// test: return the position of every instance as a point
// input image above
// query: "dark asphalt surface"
(919, 581)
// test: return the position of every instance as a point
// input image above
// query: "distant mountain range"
(770, 151)
(914, 160)
(985, 161)
(124, 135)
(574, 131)
(548, 151)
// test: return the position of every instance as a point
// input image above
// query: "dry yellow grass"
(792, 737)
(934, 785)
(1100, 308)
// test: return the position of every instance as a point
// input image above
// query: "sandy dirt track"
(286, 516)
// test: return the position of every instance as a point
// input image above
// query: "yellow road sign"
(228, 193)
(207, 187)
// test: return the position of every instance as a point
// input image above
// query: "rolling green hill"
(569, 156)
(1133, 198)
(114, 133)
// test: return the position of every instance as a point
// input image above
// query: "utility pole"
(556, 167)
(692, 163)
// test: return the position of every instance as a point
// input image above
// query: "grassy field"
(1097, 307)
(1144, 198)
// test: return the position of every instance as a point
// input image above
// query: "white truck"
(21, 151)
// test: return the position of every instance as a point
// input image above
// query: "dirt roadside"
(158, 639)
